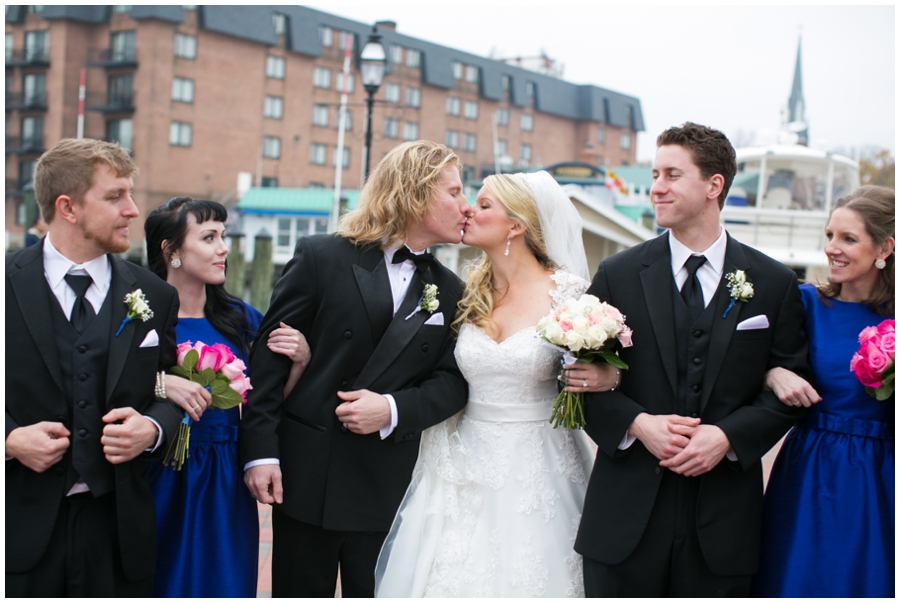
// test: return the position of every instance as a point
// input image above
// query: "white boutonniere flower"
(739, 288)
(428, 302)
(137, 308)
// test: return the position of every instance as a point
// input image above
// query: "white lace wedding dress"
(496, 495)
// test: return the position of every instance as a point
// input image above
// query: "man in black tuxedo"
(674, 503)
(336, 454)
(81, 415)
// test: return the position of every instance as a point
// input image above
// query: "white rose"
(747, 291)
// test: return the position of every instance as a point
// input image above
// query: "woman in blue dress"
(207, 522)
(828, 527)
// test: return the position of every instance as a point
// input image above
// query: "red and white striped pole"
(81, 80)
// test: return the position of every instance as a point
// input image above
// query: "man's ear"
(65, 209)
(716, 184)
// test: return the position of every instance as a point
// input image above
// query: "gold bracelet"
(160, 389)
(618, 380)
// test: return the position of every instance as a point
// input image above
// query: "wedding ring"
(584, 383)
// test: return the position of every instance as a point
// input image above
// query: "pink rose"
(886, 326)
(855, 360)
(867, 376)
(625, 338)
(877, 360)
(210, 358)
(227, 354)
(887, 344)
(181, 351)
(241, 385)
(614, 313)
(867, 334)
(565, 325)
(234, 369)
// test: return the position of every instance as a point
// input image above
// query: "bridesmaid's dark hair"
(168, 223)
(875, 205)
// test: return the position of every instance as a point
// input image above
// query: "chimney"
(389, 25)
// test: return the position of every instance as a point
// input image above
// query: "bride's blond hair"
(477, 303)
(397, 193)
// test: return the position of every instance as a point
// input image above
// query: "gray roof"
(552, 95)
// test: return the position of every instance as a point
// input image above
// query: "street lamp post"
(372, 61)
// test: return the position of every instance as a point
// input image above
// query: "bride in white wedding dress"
(496, 494)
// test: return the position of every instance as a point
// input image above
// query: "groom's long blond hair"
(397, 193)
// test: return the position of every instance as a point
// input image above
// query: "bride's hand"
(589, 377)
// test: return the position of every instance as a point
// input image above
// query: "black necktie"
(421, 260)
(82, 310)
(691, 291)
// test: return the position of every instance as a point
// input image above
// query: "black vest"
(692, 339)
(83, 362)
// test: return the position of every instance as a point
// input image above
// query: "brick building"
(202, 93)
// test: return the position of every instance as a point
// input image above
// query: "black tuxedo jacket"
(339, 296)
(624, 483)
(34, 393)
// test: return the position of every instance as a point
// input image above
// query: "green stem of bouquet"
(568, 411)
(177, 452)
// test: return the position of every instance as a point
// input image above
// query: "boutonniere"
(137, 308)
(739, 288)
(428, 302)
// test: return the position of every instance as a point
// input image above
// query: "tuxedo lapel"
(723, 328)
(375, 288)
(123, 283)
(33, 296)
(656, 280)
(399, 333)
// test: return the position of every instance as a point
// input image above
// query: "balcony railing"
(110, 103)
(109, 57)
(36, 101)
(27, 144)
(32, 57)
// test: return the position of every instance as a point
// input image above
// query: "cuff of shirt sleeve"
(626, 442)
(159, 435)
(387, 430)
(731, 456)
(258, 462)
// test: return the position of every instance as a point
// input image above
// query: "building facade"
(201, 94)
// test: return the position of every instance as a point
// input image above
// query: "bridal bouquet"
(583, 329)
(873, 363)
(223, 375)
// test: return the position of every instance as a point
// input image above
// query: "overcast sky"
(727, 67)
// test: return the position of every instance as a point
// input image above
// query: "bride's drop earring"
(506, 253)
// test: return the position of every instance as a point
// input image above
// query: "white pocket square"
(756, 322)
(150, 340)
(436, 320)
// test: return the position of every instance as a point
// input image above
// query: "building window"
(452, 105)
(413, 97)
(182, 90)
(322, 77)
(529, 89)
(391, 128)
(396, 54)
(471, 110)
(185, 46)
(273, 107)
(118, 91)
(275, 67)
(452, 139)
(339, 83)
(345, 163)
(410, 131)
(601, 135)
(345, 38)
(413, 58)
(32, 133)
(469, 142)
(348, 119)
(180, 134)
(9, 47)
(119, 130)
(189, 6)
(36, 45)
(471, 73)
(317, 154)
(26, 172)
(320, 115)
(502, 117)
(280, 23)
(392, 93)
(269, 182)
(325, 36)
(527, 122)
(525, 154)
(35, 8)
(457, 70)
(505, 83)
(34, 87)
(625, 141)
(271, 147)
(502, 147)
(121, 8)
(121, 46)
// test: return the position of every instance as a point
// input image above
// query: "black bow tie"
(421, 260)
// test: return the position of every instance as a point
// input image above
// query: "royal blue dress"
(828, 523)
(207, 522)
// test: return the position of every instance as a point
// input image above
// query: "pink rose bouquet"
(223, 374)
(873, 363)
(583, 329)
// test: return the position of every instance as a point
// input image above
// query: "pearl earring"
(880, 264)
(176, 263)
(506, 253)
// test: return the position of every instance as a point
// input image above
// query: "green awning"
(300, 201)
